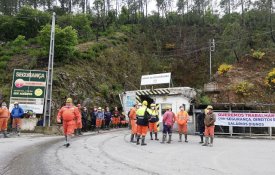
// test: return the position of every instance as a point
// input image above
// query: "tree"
(10, 28)
(80, 22)
(235, 39)
(181, 6)
(32, 20)
(62, 4)
(8, 7)
(81, 4)
(200, 6)
(100, 16)
(65, 41)
(226, 5)
(47, 3)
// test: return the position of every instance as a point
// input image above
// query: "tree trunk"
(35, 5)
(236, 56)
(270, 20)
(146, 4)
(70, 6)
(242, 3)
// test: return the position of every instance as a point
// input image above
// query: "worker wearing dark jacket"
(93, 117)
(107, 117)
(209, 121)
(201, 125)
(84, 117)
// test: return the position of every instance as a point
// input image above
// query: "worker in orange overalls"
(153, 121)
(182, 119)
(115, 118)
(68, 114)
(143, 115)
(4, 118)
(133, 120)
(78, 125)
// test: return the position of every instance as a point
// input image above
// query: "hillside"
(245, 82)
(99, 55)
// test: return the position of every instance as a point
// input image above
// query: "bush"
(80, 22)
(19, 41)
(37, 53)
(6, 53)
(3, 64)
(65, 41)
(5, 58)
(244, 88)
(104, 89)
(270, 79)
(169, 46)
(224, 68)
(95, 50)
(205, 100)
(257, 54)
(126, 28)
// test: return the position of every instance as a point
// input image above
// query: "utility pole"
(48, 99)
(211, 49)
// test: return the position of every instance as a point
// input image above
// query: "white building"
(163, 97)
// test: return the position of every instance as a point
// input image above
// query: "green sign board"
(28, 88)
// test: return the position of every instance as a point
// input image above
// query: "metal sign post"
(48, 100)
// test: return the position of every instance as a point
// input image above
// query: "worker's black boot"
(143, 141)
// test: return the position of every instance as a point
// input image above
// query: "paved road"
(111, 153)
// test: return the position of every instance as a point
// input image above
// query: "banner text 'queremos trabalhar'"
(245, 119)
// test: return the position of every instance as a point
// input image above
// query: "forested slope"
(105, 51)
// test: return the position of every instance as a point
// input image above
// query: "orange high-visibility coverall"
(115, 118)
(68, 114)
(4, 118)
(133, 120)
(182, 118)
(79, 124)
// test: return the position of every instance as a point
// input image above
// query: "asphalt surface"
(112, 153)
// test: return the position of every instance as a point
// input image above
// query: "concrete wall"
(28, 124)
(52, 130)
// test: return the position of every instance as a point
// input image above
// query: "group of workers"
(74, 119)
(142, 118)
(16, 116)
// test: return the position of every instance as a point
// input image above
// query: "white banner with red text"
(245, 119)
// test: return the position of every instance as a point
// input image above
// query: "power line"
(219, 42)
(264, 33)
(188, 53)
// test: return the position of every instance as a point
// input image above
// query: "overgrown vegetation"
(65, 41)
(115, 43)
(243, 88)
(223, 68)
(270, 79)
(258, 54)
